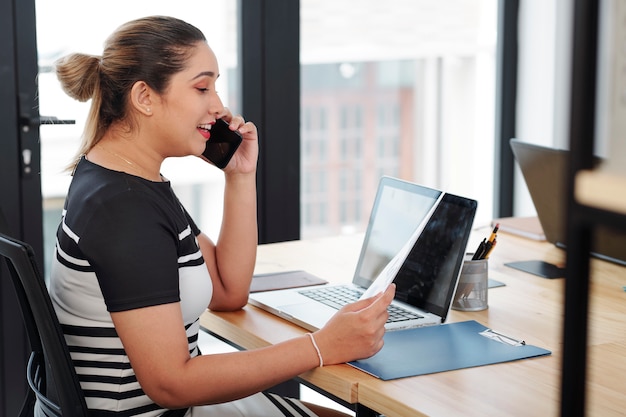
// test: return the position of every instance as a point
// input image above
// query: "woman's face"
(189, 105)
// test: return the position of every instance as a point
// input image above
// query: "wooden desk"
(528, 307)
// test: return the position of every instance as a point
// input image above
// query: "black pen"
(486, 246)
(488, 252)
(479, 252)
(487, 249)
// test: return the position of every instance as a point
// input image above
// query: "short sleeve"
(131, 242)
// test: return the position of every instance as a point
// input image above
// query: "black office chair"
(55, 389)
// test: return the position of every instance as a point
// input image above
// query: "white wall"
(543, 81)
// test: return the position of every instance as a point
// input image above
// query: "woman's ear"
(141, 98)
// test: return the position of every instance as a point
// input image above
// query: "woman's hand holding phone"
(222, 144)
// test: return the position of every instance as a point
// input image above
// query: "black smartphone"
(222, 144)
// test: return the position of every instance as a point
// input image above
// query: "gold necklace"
(130, 163)
(136, 167)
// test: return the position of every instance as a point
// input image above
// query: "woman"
(132, 271)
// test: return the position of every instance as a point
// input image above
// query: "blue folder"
(445, 347)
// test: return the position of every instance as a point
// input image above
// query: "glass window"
(84, 29)
(408, 89)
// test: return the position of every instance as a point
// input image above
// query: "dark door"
(20, 185)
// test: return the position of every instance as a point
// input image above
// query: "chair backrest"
(50, 359)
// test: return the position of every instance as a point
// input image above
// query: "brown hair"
(150, 49)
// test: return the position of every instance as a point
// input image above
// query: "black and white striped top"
(123, 243)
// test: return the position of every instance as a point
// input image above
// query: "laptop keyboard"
(338, 296)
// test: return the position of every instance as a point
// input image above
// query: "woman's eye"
(202, 90)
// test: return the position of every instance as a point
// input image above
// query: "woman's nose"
(216, 106)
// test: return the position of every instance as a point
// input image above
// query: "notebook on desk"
(545, 172)
(436, 225)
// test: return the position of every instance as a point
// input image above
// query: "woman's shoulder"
(91, 180)
(95, 190)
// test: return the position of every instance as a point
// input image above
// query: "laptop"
(545, 173)
(429, 227)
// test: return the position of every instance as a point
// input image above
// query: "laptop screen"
(399, 208)
(428, 277)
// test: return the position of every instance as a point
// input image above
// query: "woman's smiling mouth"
(205, 130)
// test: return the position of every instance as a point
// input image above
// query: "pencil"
(493, 233)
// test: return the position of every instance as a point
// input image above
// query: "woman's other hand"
(356, 331)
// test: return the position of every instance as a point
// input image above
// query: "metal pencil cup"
(471, 292)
